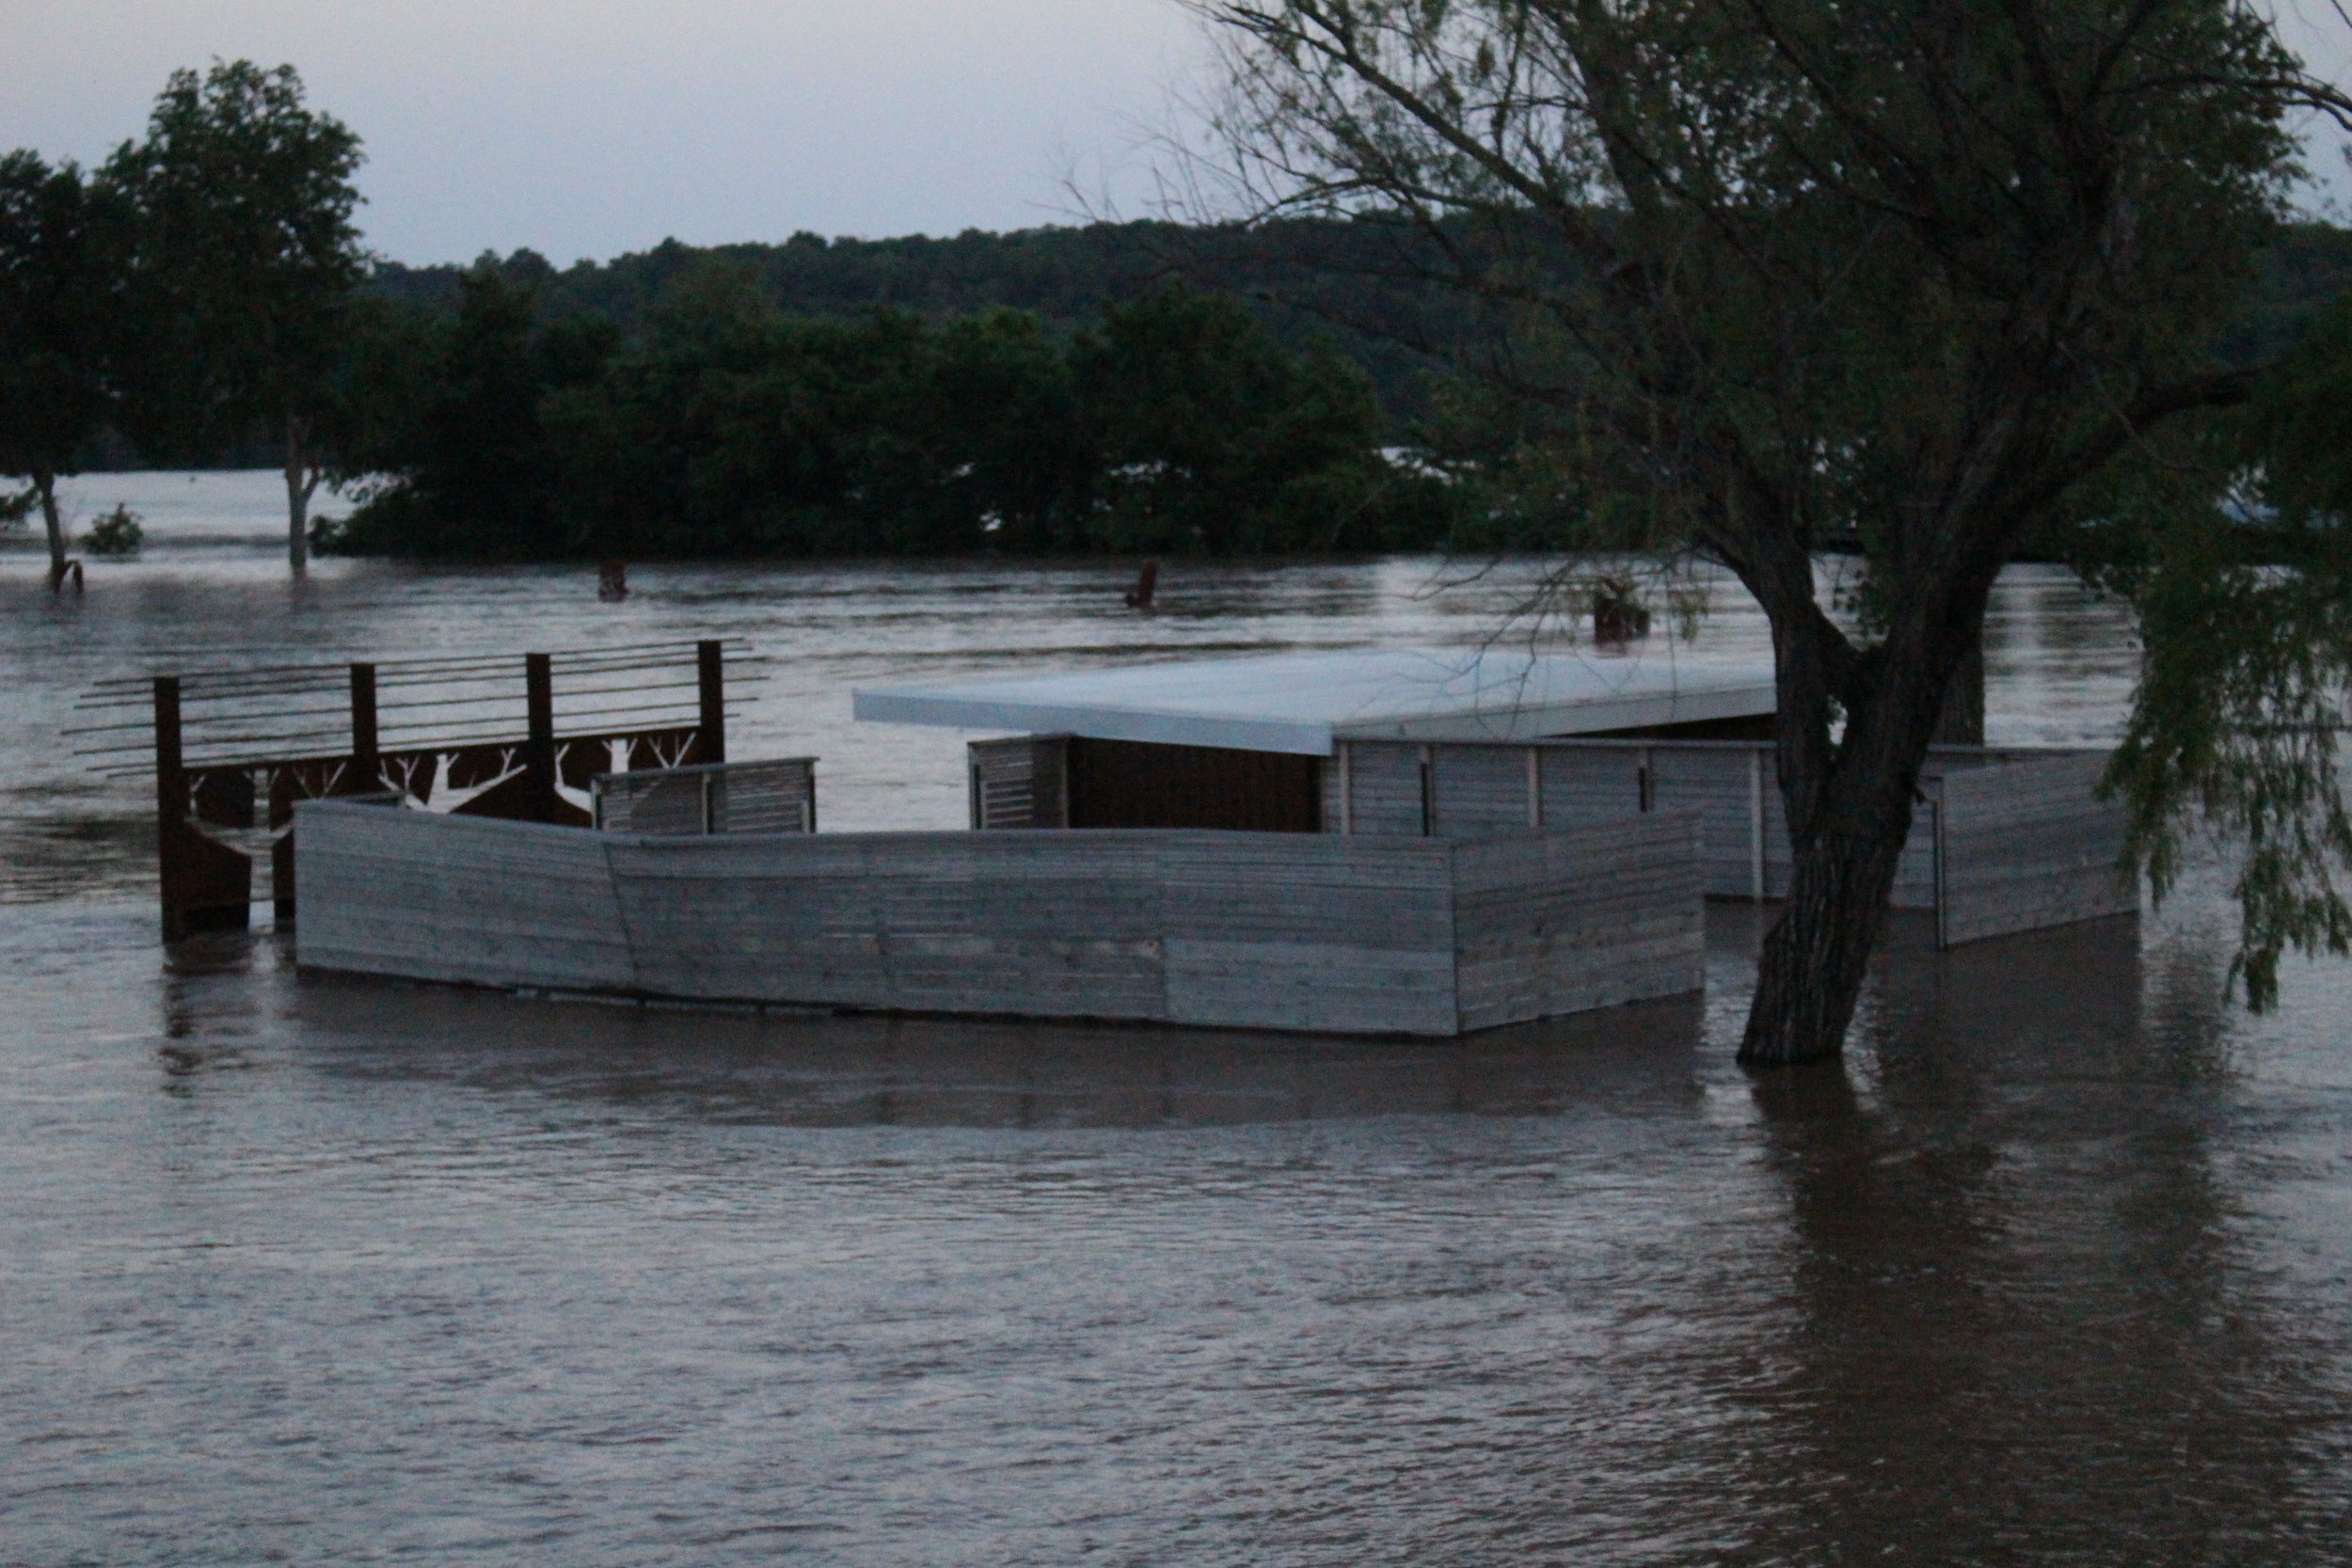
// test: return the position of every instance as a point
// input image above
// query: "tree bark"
(1962, 721)
(1809, 974)
(1849, 810)
(59, 566)
(302, 480)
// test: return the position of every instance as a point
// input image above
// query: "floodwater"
(2056, 1267)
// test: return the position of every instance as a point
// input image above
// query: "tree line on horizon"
(724, 427)
(204, 298)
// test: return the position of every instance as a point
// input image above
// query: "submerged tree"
(246, 261)
(1909, 271)
(62, 252)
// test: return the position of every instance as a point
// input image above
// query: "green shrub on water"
(117, 535)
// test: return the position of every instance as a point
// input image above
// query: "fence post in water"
(206, 885)
(539, 748)
(171, 797)
(711, 675)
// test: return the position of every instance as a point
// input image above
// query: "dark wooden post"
(710, 674)
(367, 765)
(206, 885)
(539, 748)
(171, 802)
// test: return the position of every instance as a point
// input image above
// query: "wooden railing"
(233, 750)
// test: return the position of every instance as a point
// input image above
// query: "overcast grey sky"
(592, 127)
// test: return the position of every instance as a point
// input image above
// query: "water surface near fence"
(2059, 1265)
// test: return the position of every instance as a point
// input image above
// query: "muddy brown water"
(2056, 1267)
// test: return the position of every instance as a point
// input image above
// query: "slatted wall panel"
(1590, 783)
(1052, 925)
(1018, 782)
(1558, 923)
(2028, 845)
(470, 899)
(1338, 935)
(730, 918)
(1915, 871)
(1479, 789)
(778, 797)
(1273, 930)
(1712, 783)
(1385, 787)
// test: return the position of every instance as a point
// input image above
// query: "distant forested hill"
(1347, 281)
(1344, 282)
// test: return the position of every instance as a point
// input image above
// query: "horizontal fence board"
(1384, 790)
(1313, 985)
(1479, 789)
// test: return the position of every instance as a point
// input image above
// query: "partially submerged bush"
(117, 535)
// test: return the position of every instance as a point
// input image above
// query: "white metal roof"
(1302, 703)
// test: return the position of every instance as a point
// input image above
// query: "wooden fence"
(1374, 934)
(2002, 840)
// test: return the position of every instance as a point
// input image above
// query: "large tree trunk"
(302, 480)
(1850, 809)
(1809, 974)
(46, 484)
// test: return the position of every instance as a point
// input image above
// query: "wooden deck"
(1315, 932)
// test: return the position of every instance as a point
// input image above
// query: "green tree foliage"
(2237, 722)
(455, 452)
(1369, 286)
(247, 260)
(62, 242)
(728, 427)
(1215, 439)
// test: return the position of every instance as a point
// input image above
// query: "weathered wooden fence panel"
(776, 796)
(1563, 922)
(2026, 845)
(1276, 931)
(1997, 842)
(1377, 934)
(470, 899)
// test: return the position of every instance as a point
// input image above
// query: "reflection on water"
(2054, 1268)
(884, 1071)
